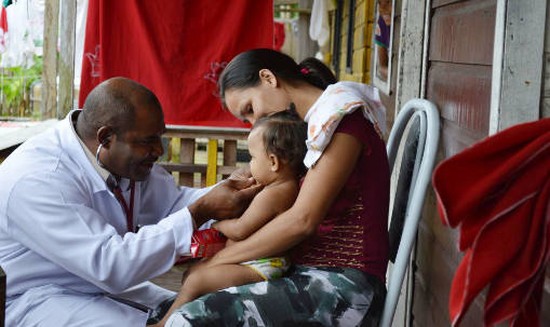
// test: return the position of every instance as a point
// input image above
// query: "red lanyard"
(128, 209)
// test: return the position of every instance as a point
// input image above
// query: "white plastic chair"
(415, 170)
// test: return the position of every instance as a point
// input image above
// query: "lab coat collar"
(75, 148)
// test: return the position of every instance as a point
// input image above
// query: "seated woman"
(337, 227)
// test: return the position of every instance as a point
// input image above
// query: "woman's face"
(250, 104)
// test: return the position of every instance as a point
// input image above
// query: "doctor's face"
(133, 151)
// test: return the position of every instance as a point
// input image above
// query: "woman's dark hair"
(243, 70)
(285, 135)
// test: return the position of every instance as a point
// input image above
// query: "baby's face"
(261, 162)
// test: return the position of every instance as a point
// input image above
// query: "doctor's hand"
(229, 199)
(241, 174)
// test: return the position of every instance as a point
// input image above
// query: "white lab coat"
(63, 239)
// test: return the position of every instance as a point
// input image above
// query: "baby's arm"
(271, 201)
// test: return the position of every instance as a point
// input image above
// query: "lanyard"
(128, 209)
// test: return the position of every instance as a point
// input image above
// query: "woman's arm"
(322, 184)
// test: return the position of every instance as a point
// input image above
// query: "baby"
(277, 148)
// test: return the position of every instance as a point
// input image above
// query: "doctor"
(87, 218)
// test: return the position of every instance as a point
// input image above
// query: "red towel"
(498, 193)
(176, 48)
(3, 28)
(278, 36)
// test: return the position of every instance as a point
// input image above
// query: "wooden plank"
(187, 156)
(445, 236)
(183, 167)
(498, 55)
(521, 63)
(226, 170)
(545, 111)
(48, 104)
(546, 108)
(193, 132)
(545, 317)
(229, 155)
(547, 37)
(435, 273)
(546, 82)
(66, 57)
(2, 297)
(433, 279)
(464, 33)
(454, 139)
(462, 93)
(441, 3)
(411, 52)
(211, 169)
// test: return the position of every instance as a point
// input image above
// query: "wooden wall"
(545, 113)
(460, 56)
(459, 82)
(546, 80)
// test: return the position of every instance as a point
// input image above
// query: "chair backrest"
(417, 124)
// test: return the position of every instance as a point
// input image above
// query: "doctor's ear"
(104, 135)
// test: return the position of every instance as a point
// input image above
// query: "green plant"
(15, 87)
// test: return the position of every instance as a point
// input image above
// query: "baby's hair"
(243, 70)
(285, 135)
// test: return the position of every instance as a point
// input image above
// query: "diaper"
(269, 268)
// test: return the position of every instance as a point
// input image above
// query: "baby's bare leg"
(201, 281)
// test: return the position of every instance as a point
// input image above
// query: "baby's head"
(277, 145)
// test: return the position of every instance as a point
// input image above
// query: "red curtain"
(177, 48)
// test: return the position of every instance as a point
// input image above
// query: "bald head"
(115, 102)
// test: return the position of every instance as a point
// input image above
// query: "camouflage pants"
(308, 296)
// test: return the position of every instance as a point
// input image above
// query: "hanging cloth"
(175, 48)
(3, 28)
(319, 26)
(498, 193)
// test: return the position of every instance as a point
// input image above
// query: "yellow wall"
(362, 41)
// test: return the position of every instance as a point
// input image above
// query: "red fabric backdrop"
(177, 48)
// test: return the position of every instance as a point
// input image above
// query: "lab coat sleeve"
(61, 223)
(160, 198)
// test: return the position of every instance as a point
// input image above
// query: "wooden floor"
(172, 279)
